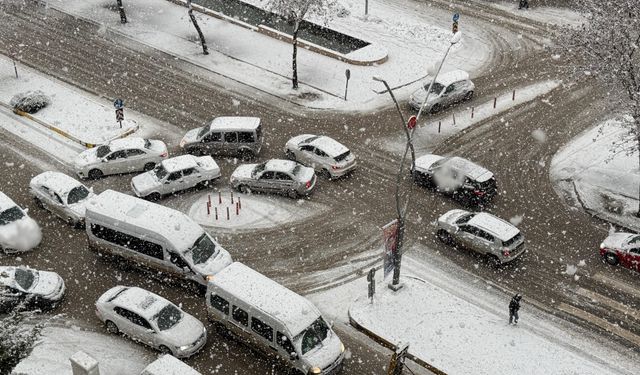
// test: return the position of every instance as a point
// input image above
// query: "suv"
(327, 156)
(465, 180)
(498, 240)
(234, 136)
(448, 88)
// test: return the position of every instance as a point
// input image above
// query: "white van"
(153, 236)
(274, 319)
(228, 135)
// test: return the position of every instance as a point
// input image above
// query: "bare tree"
(294, 11)
(607, 45)
(205, 50)
(123, 16)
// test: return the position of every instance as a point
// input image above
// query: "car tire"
(290, 155)
(165, 350)
(325, 174)
(111, 327)
(468, 95)
(38, 202)
(95, 174)
(149, 166)
(435, 108)
(244, 189)
(153, 197)
(612, 259)
(445, 237)
(293, 194)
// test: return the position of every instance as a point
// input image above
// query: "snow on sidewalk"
(455, 324)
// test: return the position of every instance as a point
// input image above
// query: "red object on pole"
(454, 119)
(216, 211)
(232, 197)
(220, 197)
(494, 102)
(413, 120)
(227, 212)
(239, 203)
(513, 97)
(237, 209)
(472, 109)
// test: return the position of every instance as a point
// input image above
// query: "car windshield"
(25, 278)
(513, 240)
(342, 156)
(102, 151)
(259, 168)
(435, 89)
(160, 172)
(464, 219)
(203, 131)
(168, 317)
(202, 249)
(77, 194)
(11, 215)
(314, 335)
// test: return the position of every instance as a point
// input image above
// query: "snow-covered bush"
(17, 339)
(30, 101)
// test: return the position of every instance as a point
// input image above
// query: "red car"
(622, 248)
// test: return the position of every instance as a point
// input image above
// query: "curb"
(64, 133)
(382, 341)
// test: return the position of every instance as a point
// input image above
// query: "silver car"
(174, 175)
(498, 240)
(274, 176)
(152, 320)
(449, 88)
(29, 287)
(124, 155)
(328, 157)
(62, 195)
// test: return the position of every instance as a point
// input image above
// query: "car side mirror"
(26, 210)
(457, 230)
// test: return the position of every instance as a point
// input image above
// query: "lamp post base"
(395, 287)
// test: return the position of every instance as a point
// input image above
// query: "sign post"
(119, 106)
(372, 283)
(454, 28)
(347, 74)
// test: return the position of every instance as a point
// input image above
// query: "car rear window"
(513, 240)
(464, 219)
(342, 156)
(147, 144)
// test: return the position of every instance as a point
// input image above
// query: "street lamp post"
(402, 211)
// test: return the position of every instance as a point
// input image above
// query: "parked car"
(35, 289)
(465, 180)
(274, 176)
(500, 241)
(448, 88)
(325, 155)
(124, 155)
(168, 365)
(152, 320)
(18, 232)
(174, 175)
(231, 135)
(622, 248)
(274, 320)
(62, 195)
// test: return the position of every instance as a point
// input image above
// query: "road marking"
(616, 330)
(618, 284)
(609, 302)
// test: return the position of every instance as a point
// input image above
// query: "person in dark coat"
(524, 4)
(514, 306)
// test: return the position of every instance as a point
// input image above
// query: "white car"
(448, 88)
(18, 232)
(325, 155)
(34, 289)
(152, 320)
(62, 195)
(274, 176)
(124, 155)
(176, 174)
(168, 365)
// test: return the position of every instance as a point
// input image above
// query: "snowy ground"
(255, 211)
(116, 355)
(593, 176)
(554, 16)
(458, 324)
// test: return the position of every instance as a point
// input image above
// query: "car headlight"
(341, 348)
(184, 347)
(315, 370)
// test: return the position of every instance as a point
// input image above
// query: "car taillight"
(308, 184)
(478, 192)
(164, 154)
(335, 167)
(506, 252)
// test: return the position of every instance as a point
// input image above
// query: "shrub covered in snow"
(17, 339)
(30, 101)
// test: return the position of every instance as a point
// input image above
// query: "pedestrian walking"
(514, 306)
(524, 4)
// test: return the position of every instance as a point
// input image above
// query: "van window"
(220, 303)
(284, 342)
(231, 137)
(240, 316)
(213, 137)
(130, 242)
(262, 328)
(245, 137)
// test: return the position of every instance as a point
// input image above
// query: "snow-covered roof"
(5, 202)
(329, 145)
(469, 168)
(126, 143)
(494, 225)
(179, 163)
(235, 123)
(280, 165)
(169, 365)
(171, 224)
(56, 181)
(453, 76)
(425, 161)
(263, 293)
(140, 301)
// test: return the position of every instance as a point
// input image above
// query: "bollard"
(513, 97)
(472, 109)
(209, 199)
(494, 102)
(454, 119)
(208, 209)
(220, 197)
(232, 197)
(228, 213)
(237, 209)
(239, 203)
(216, 211)
(439, 123)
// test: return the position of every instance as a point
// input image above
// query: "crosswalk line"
(618, 284)
(616, 330)
(609, 302)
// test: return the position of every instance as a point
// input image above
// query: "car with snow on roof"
(623, 249)
(274, 176)
(228, 135)
(448, 88)
(328, 157)
(62, 195)
(18, 231)
(30, 288)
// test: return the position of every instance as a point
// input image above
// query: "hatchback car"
(465, 180)
(274, 176)
(622, 248)
(500, 241)
(229, 135)
(34, 289)
(152, 320)
(124, 155)
(328, 157)
(448, 88)
(18, 232)
(174, 175)
(62, 195)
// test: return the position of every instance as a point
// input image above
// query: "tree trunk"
(205, 50)
(123, 16)
(294, 79)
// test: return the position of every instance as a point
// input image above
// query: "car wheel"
(468, 95)
(290, 155)
(95, 174)
(325, 174)
(154, 197)
(165, 350)
(38, 202)
(493, 260)
(244, 189)
(293, 194)
(445, 237)
(149, 166)
(112, 327)
(611, 258)
(435, 108)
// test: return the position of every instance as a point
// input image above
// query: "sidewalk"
(460, 326)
